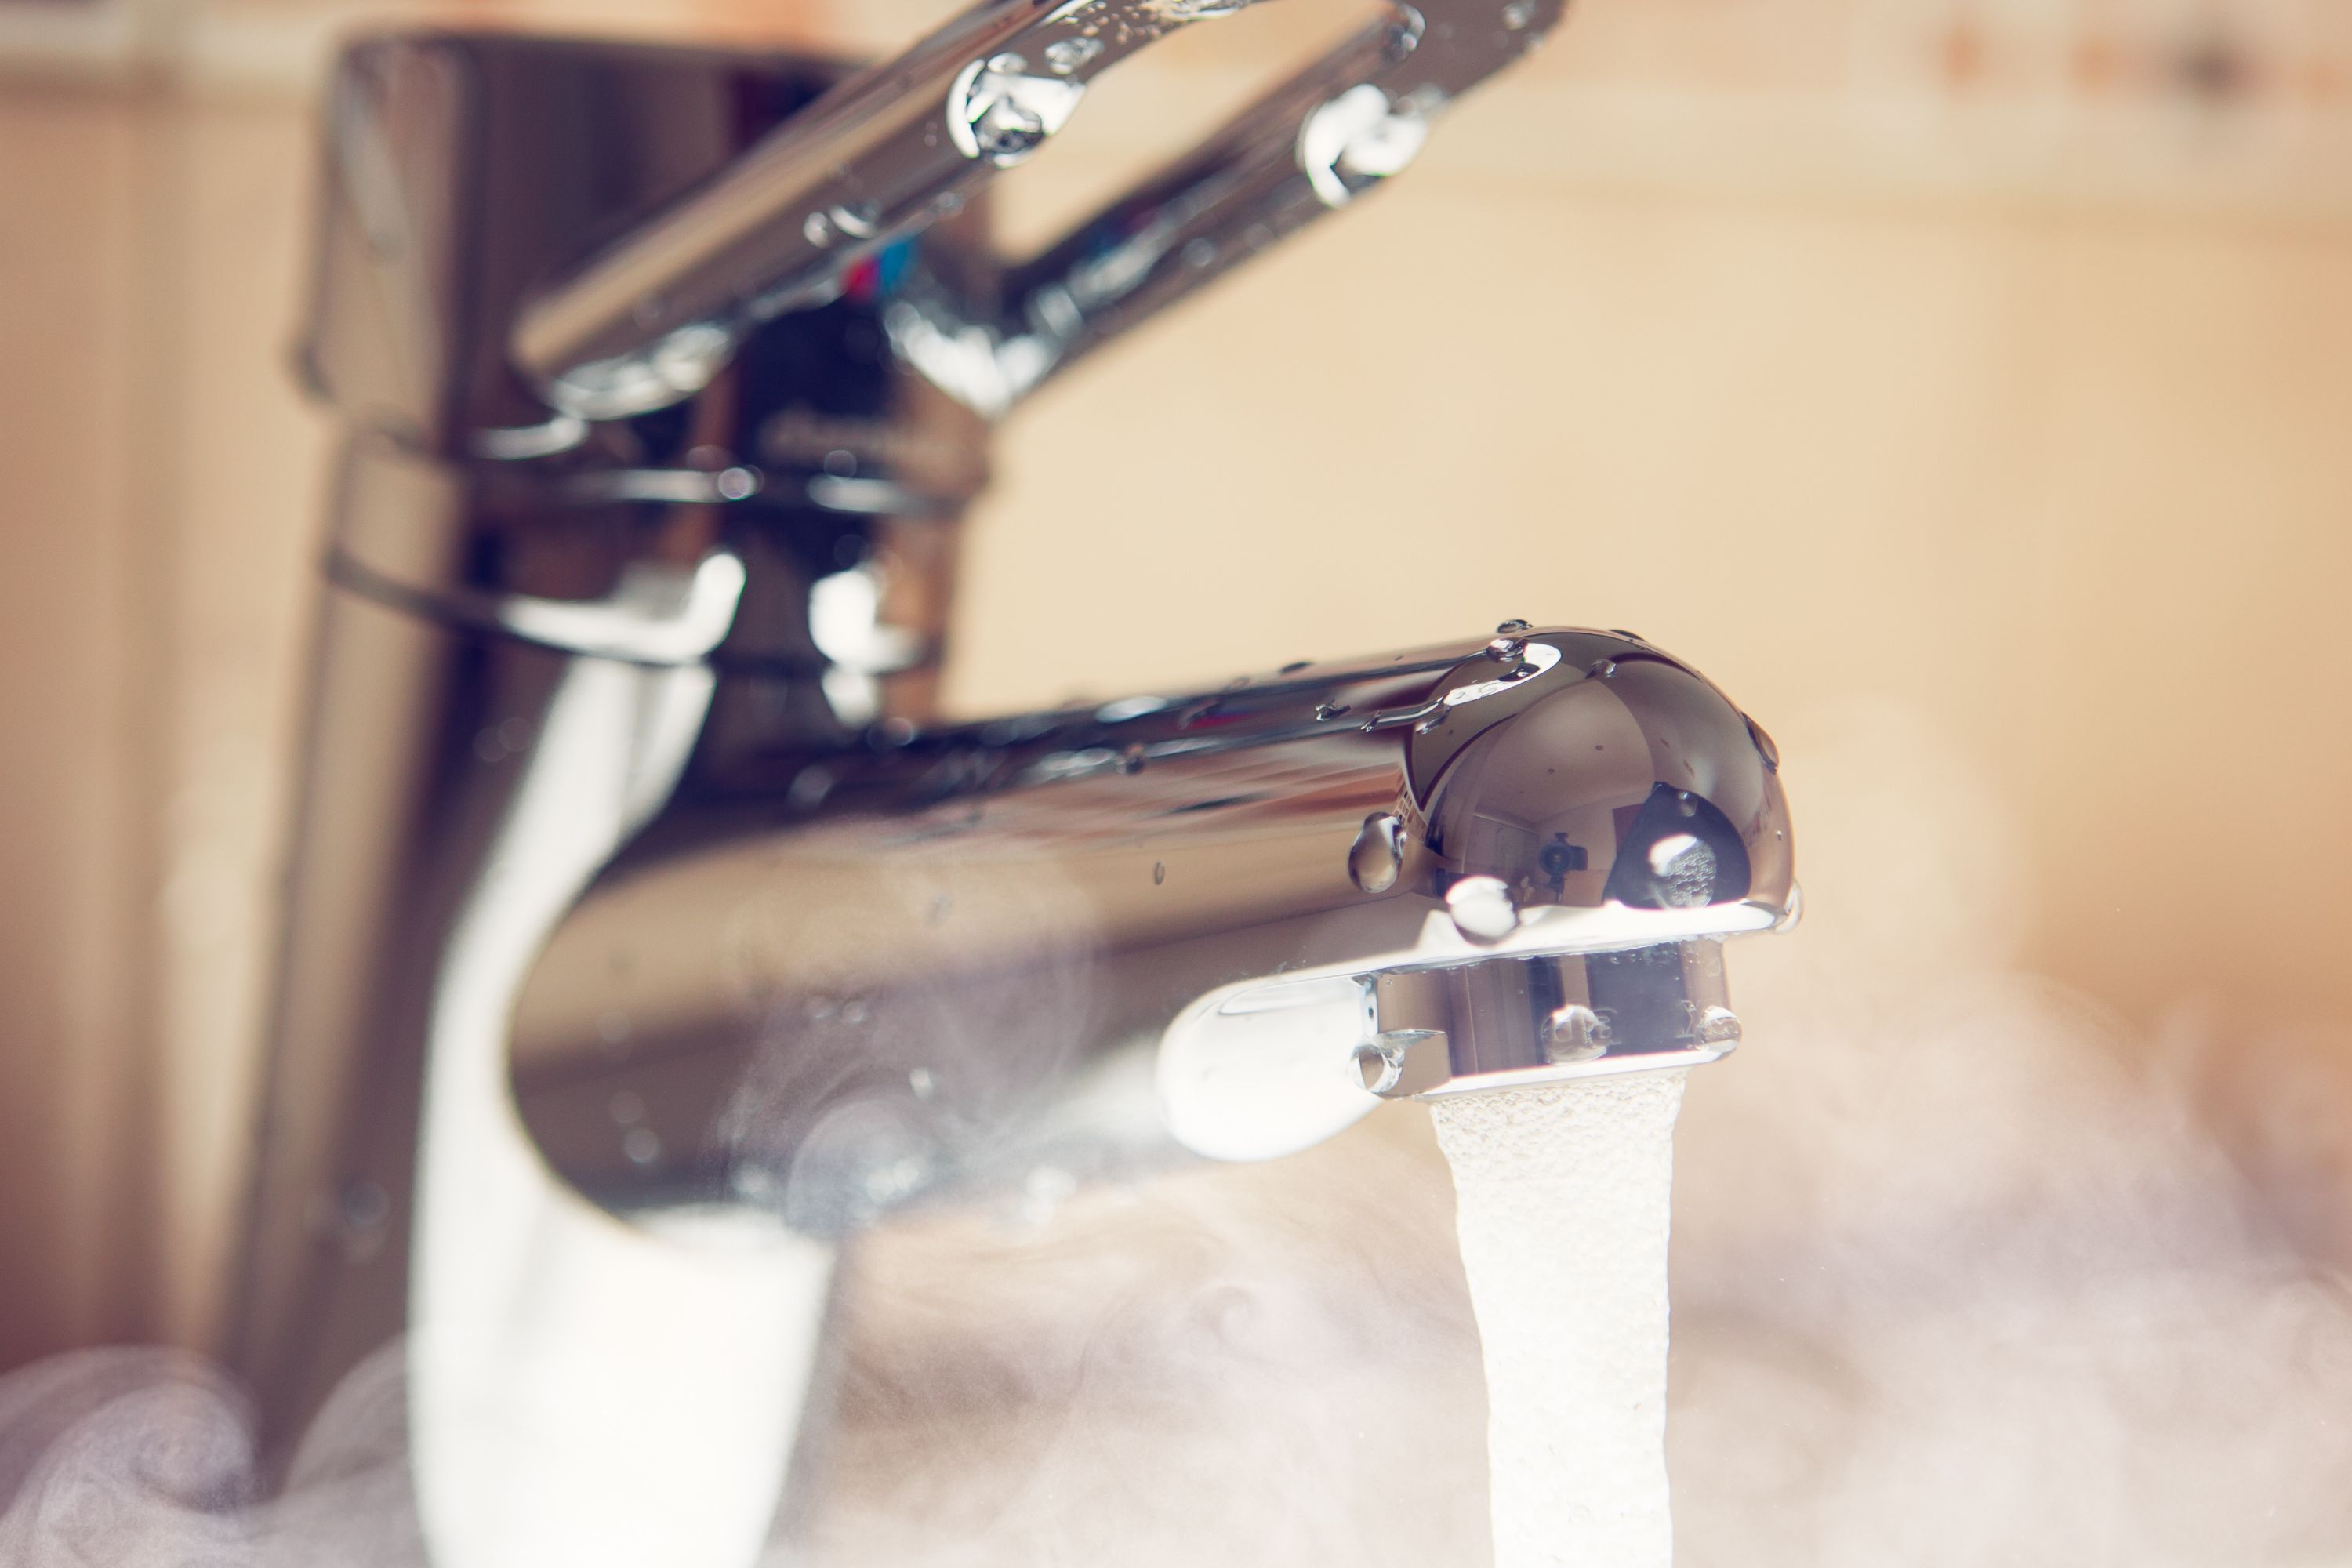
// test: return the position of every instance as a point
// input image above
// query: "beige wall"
(72, 717)
(2050, 451)
(2076, 484)
(160, 485)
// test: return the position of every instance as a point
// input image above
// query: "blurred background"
(1964, 384)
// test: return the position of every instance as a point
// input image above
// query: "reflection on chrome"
(648, 320)
(1259, 900)
(649, 930)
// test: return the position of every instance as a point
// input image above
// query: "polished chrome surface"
(524, 644)
(841, 982)
(462, 171)
(648, 932)
(652, 317)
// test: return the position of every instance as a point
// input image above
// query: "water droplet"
(1403, 34)
(1575, 1033)
(1482, 908)
(1602, 668)
(1329, 710)
(1199, 252)
(920, 1080)
(1294, 666)
(1131, 759)
(854, 1011)
(1358, 140)
(997, 110)
(361, 1204)
(1378, 854)
(1716, 1026)
(1764, 746)
(1159, 872)
(817, 229)
(627, 1108)
(1792, 911)
(858, 220)
(1518, 14)
(1513, 629)
(809, 787)
(643, 1145)
(736, 483)
(1064, 56)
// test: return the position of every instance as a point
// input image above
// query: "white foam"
(1563, 1199)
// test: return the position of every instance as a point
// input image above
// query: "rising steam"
(1962, 1274)
(144, 1458)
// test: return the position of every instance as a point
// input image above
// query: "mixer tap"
(650, 932)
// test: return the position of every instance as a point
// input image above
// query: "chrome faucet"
(649, 932)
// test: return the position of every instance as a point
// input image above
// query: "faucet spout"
(1228, 922)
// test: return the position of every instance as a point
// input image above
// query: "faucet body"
(649, 932)
(468, 592)
(836, 983)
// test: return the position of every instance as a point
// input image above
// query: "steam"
(145, 1458)
(1962, 1275)
(1214, 1369)
(1965, 1271)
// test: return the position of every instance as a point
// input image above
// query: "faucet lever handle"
(650, 319)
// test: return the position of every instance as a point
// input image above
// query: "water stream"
(1562, 1195)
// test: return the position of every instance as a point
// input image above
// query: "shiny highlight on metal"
(649, 931)
(652, 316)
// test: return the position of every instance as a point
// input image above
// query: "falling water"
(1563, 1194)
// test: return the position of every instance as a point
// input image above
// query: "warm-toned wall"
(2049, 451)
(2074, 483)
(72, 973)
(160, 480)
